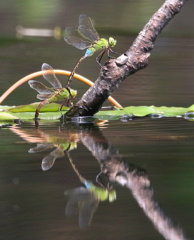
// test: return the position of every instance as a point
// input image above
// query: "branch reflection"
(86, 199)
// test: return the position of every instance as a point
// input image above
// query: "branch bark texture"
(136, 57)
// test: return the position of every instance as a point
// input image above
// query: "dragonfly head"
(112, 42)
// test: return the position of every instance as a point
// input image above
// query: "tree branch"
(136, 57)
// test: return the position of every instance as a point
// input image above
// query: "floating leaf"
(142, 111)
(52, 107)
(51, 112)
(6, 116)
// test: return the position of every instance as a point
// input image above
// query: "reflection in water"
(49, 159)
(86, 201)
(133, 178)
(58, 152)
(87, 198)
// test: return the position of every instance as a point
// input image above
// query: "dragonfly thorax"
(101, 44)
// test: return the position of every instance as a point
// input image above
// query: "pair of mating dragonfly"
(85, 37)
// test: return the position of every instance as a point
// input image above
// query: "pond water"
(142, 169)
(158, 151)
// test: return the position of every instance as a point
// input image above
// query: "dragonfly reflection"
(86, 199)
(58, 152)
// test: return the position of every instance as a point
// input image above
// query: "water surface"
(33, 201)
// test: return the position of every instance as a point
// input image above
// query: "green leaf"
(51, 112)
(52, 107)
(6, 116)
(45, 115)
(142, 111)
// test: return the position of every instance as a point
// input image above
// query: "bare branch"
(135, 58)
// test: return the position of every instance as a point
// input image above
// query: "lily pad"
(52, 107)
(51, 111)
(4, 116)
(142, 111)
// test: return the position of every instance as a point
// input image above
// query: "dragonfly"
(49, 95)
(86, 199)
(101, 193)
(86, 37)
(83, 201)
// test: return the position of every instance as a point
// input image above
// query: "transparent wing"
(49, 160)
(40, 87)
(74, 197)
(75, 38)
(87, 210)
(41, 147)
(51, 77)
(87, 29)
(44, 96)
(85, 201)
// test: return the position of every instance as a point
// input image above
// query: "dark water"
(155, 152)
(33, 202)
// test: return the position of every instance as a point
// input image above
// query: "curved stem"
(57, 71)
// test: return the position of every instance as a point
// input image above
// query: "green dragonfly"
(86, 37)
(49, 95)
(84, 202)
(86, 199)
(101, 193)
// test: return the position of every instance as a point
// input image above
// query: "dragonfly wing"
(74, 197)
(49, 160)
(75, 38)
(40, 87)
(87, 210)
(44, 96)
(87, 29)
(82, 199)
(51, 77)
(41, 147)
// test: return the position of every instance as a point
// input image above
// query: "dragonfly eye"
(112, 42)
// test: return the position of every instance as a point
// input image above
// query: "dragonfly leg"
(110, 50)
(63, 103)
(69, 102)
(99, 57)
(98, 180)
(102, 180)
